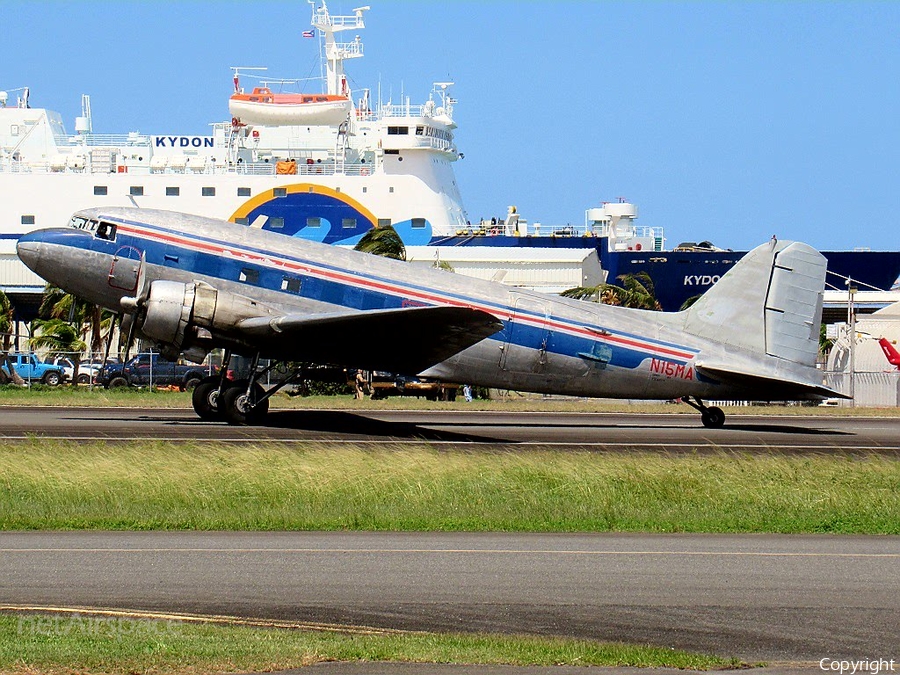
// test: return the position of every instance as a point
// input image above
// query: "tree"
(636, 292)
(687, 304)
(383, 241)
(91, 319)
(7, 320)
(59, 338)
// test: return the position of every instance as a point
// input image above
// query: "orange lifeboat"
(261, 106)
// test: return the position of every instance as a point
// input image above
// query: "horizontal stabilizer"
(767, 388)
(405, 341)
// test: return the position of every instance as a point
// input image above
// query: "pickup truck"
(152, 370)
(31, 369)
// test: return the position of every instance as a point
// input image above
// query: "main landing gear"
(239, 401)
(711, 417)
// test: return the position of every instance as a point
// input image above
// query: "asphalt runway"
(758, 597)
(595, 431)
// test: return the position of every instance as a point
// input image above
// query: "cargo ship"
(329, 165)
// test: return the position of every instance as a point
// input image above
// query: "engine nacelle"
(167, 314)
(177, 315)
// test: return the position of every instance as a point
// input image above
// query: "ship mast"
(337, 52)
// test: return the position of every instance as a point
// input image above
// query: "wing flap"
(406, 341)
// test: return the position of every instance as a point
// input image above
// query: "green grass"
(44, 644)
(205, 486)
(68, 396)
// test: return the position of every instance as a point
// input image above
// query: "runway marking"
(465, 551)
(208, 618)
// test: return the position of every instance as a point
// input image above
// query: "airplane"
(890, 353)
(190, 284)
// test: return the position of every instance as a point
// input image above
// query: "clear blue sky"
(726, 121)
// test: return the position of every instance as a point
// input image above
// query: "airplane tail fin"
(767, 310)
(890, 353)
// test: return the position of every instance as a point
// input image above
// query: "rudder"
(769, 303)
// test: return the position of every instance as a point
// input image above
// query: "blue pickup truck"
(31, 369)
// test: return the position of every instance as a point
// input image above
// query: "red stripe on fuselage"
(397, 290)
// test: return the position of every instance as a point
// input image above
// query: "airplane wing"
(769, 388)
(407, 340)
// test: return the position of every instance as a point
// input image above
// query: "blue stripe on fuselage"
(359, 293)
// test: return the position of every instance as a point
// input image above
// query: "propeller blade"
(131, 306)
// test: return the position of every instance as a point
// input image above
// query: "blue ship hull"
(680, 275)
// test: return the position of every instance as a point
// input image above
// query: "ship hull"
(679, 276)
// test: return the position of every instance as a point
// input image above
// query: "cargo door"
(123, 273)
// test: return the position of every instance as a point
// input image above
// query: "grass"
(205, 486)
(49, 644)
(66, 396)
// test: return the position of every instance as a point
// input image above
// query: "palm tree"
(59, 339)
(6, 326)
(687, 304)
(383, 241)
(636, 292)
(57, 304)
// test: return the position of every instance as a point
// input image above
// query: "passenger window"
(291, 284)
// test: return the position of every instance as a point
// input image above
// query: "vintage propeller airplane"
(191, 284)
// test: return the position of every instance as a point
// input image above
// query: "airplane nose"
(29, 251)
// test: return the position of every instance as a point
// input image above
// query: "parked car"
(87, 370)
(31, 369)
(152, 369)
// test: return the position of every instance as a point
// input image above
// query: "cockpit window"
(79, 223)
(106, 231)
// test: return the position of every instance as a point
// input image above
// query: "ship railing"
(404, 110)
(303, 169)
(115, 140)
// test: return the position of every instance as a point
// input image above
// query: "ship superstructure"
(330, 165)
(330, 177)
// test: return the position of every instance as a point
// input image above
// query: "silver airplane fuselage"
(547, 344)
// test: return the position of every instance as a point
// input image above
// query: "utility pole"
(851, 321)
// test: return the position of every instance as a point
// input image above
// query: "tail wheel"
(240, 408)
(712, 418)
(205, 399)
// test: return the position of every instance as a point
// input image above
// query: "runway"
(758, 597)
(594, 431)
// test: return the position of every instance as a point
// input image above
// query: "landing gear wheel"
(205, 399)
(239, 408)
(712, 418)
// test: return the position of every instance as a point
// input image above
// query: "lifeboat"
(263, 107)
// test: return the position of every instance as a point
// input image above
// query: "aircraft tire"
(712, 418)
(205, 399)
(236, 406)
